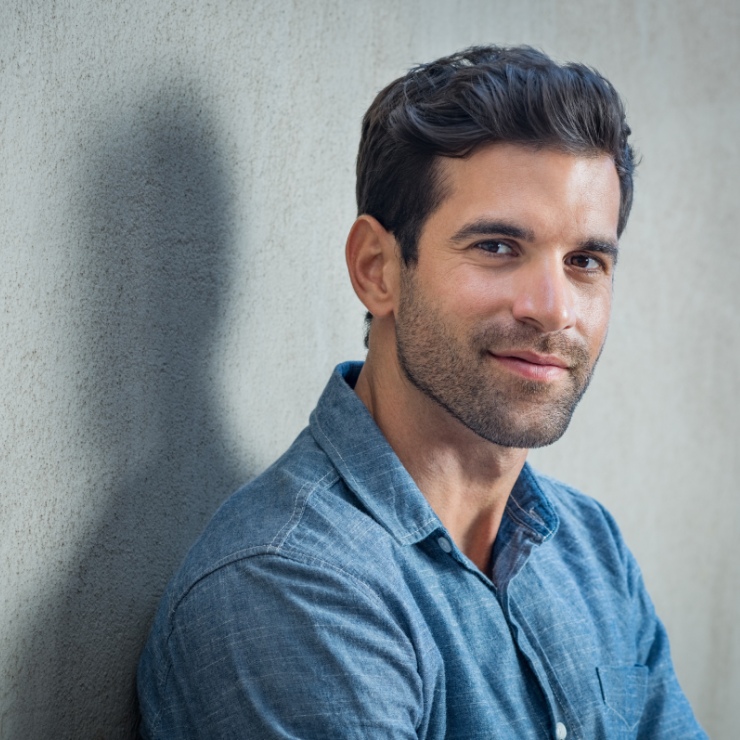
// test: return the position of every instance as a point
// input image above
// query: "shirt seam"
(299, 507)
(272, 546)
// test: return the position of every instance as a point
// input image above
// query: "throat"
(475, 532)
(471, 506)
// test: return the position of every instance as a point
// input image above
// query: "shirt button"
(444, 543)
(561, 731)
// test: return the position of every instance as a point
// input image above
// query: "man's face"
(504, 315)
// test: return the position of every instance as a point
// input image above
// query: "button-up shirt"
(327, 600)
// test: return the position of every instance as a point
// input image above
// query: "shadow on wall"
(154, 260)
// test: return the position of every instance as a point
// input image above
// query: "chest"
(538, 657)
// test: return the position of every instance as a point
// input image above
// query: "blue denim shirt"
(326, 600)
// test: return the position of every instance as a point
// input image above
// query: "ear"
(373, 261)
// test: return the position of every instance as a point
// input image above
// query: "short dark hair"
(478, 96)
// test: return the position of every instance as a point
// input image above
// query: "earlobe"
(372, 261)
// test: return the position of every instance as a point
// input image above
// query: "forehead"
(544, 187)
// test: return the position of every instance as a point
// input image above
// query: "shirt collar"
(345, 430)
(343, 427)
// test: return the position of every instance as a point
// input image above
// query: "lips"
(535, 359)
(533, 366)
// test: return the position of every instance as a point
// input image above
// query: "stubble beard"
(459, 374)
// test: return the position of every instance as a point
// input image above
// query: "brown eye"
(493, 246)
(586, 262)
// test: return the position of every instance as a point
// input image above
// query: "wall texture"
(176, 182)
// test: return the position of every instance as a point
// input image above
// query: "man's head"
(485, 94)
(493, 186)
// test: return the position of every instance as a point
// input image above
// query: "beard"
(458, 373)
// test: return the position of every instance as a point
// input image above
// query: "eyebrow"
(484, 227)
(492, 228)
(609, 248)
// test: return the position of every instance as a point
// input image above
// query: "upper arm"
(273, 648)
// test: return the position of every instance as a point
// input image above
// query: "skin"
(501, 321)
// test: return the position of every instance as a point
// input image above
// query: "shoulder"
(257, 518)
(297, 520)
(291, 577)
(586, 529)
(575, 508)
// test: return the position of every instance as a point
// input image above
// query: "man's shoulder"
(585, 524)
(292, 574)
(299, 509)
(570, 502)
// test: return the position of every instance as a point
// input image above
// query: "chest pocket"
(624, 689)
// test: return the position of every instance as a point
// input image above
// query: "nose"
(544, 296)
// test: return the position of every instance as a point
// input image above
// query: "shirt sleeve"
(270, 647)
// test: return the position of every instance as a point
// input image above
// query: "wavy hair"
(481, 95)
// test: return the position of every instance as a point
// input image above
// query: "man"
(401, 572)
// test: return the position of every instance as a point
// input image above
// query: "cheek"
(594, 314)
(470, 292)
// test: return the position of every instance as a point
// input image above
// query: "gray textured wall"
(175, 188)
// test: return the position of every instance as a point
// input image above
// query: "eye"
(586, 262)
(493, 246)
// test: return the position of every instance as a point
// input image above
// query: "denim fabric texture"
(326, 600)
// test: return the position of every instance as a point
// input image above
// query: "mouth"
(533, 366)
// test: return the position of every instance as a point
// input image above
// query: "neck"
(466, 479)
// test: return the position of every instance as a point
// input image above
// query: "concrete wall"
(176, 182)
